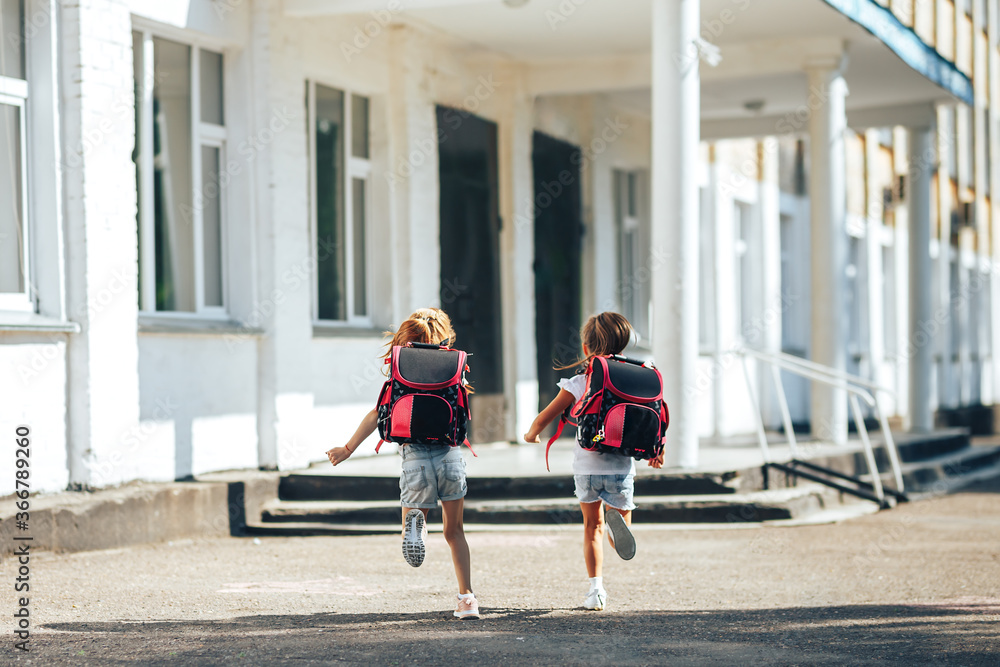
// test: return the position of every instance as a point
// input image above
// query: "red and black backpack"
(622, 410)
(425, 399)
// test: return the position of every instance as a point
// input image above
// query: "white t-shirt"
(594, 463)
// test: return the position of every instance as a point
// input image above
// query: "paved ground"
(917, 585)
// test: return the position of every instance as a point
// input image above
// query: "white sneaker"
(596, 599)
(414, 533)
(468, 608)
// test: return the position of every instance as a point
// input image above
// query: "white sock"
(463, 596)
(596, 582)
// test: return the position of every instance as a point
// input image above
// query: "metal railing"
(857, 389)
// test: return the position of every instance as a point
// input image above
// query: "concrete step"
(833, 514)
(778, 504)
(924, 446)
(298, 486)
(947, 471)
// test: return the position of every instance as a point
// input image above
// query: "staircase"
(309, 503)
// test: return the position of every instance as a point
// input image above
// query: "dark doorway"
(470, 257)
(558, 236)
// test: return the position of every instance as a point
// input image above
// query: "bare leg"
(454, 534)
(593, 531)
(626, 515)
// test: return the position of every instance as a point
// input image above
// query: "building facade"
(211, 210)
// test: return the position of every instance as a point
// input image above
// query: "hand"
(531, 437)
(657, 462)
(339, 455)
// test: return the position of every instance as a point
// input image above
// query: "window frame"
(20, 301)
(16, 93)
(354, 168)
(630, 187)
(203, 134)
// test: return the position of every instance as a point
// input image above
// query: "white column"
(770, 265)
(993, 155)
(414, 186)
(940, 326)
(676, 131)
(101, 242)
(285, 410)
(828, 197)
(922, 163)
(518, 255)
(875, 266)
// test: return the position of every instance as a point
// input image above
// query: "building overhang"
(766, 45)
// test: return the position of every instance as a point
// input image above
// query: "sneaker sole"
(413, 543)
(467, 615)
(624, 541)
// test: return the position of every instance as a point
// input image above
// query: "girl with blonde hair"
(430, 472)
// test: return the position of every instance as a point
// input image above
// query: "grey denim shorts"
(431, 473)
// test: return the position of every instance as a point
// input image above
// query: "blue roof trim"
(882, 23)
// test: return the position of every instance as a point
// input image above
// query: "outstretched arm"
(563, 400)
(365, 428)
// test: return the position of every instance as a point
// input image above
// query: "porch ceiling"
(605, 45)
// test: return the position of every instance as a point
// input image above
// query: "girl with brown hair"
(599, 478)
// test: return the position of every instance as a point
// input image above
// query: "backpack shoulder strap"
(563, 420)
(466, 443)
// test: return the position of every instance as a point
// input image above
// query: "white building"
(210, 210)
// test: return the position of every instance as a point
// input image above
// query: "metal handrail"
(856, 388)
(871, 398)
(828, 370)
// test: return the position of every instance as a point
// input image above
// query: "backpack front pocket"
(419, 417)
(635, 425)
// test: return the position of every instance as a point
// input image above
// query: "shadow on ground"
(959, 632)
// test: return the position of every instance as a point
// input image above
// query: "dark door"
(558, 234)
(470, 257)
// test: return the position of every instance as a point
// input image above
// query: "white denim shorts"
(431, 473)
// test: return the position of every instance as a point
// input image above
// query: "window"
(633, 267)
(791, 289)
(857, 303)
(14, 271)
(180, 157)
(706, 272)
(340, 187)
(949, 135)
(889, 301)
(957, 306)
(749, 330)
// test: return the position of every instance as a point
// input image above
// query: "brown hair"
(604, 334)
(425, 325)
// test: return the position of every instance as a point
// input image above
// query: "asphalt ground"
(918, 585)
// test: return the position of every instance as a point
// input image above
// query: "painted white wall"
(101, 238)
(206, 387)
(33, 393)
